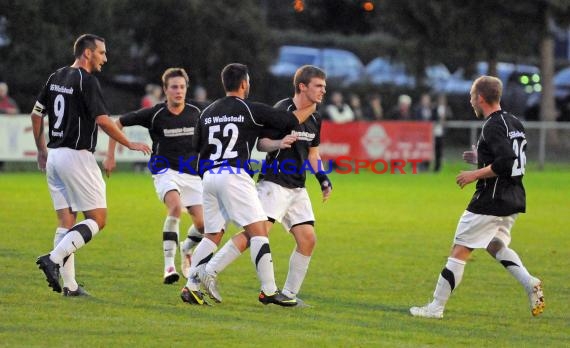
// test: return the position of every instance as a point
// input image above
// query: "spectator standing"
(440, 114)
(152, 97)
(355, 104)
(403, 110)
(7, 105)
(338, 111)
(374, 110)
(424, 113)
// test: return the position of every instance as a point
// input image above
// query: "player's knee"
(175, 210)
(494, 246)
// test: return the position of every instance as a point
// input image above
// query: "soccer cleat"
(536, 297)
(185, 258)
(428, 311)
(210, 285)
(192, 296)
(277, 298)
(79, 292)
(170, 275)
(51, 271)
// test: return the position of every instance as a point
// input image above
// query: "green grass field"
(383, 240)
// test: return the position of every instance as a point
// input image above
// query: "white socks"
(67, 271)
(261, 258)
(170, 240)
(448, 280)
(75, 238)
(193, 237)
(201, 255)
(226, 255)
(512, 263)
(298, 266)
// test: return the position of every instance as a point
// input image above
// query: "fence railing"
(541, 126)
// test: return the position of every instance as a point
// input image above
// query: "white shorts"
(289, 206)
(476, 231)
(75, 180)
(188, 186)
(230, 197)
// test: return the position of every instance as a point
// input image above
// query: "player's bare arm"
(466, 177)
(38, 130)
(270, 145)
(109, 163)
(109, 127)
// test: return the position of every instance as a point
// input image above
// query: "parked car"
(381, 71)
(341, 66)
(561, 95)
(526, 76)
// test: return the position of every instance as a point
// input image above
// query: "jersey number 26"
(519, 148)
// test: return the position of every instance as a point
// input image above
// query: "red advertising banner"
(387, 140)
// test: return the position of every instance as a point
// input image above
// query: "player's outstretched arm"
(109, 127)
(464, 178)
(270, 145)
(109, 163)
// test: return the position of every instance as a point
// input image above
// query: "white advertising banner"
(17, 141)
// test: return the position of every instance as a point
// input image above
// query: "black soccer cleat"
(277, 298)
(75, 293)
(195, 297)
(51, 270)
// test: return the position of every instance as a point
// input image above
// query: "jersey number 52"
(230, 131)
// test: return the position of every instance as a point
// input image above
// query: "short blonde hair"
(488, 87)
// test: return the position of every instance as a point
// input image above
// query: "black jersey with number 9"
(72, 99)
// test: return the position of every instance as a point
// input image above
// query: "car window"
(297, 59)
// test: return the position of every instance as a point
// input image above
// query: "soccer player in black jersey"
(73, 102)
(225, 135)
(499, 198)
(282, 193)
(173, 162)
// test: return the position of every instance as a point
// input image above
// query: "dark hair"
(85, 41)
(489, 87)
(174, 72)
(232, 76)
(304, 75)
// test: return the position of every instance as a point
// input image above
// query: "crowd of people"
(338, 110)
